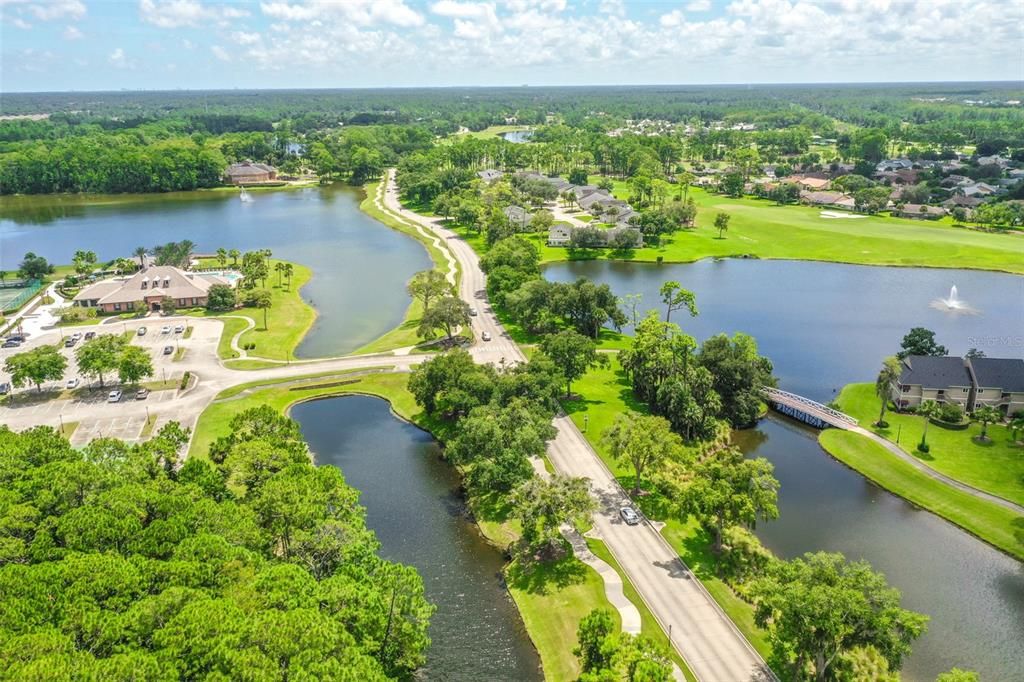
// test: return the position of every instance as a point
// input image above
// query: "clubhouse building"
(147, 289)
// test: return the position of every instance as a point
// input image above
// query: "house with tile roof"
(147, 289)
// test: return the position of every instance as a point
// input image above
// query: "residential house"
(921, 211)
(613, 234)
(811, 183)
(517, 215)
(961, 201)
(595, 199)
(944, 379)
(581, 191)
(976, 189)
(893, 165)
(998, 383)
(147, 289)
(560, 234)
(247, 172)
(832, 199)
(489, 175)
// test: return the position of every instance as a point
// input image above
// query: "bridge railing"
(791, 398)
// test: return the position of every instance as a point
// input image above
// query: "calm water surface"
(414, 506)
(825, 325)
(359, 265)
(518, 136)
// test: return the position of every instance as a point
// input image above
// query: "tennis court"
(13, 297)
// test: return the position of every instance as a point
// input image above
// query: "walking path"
(706, 638)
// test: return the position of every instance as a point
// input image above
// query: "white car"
(165, 329)
(71, 383)
(114, 397)
(630, 516)
(179, 328)
(486, 336)
(77, 336)
(473, 312)
(141, 331)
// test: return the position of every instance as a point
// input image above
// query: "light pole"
(586, 422)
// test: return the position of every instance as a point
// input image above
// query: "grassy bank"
(995, 466)
(551, 598)
(992, 523)
(404, 334)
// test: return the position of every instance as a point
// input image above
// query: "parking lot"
(87, 404)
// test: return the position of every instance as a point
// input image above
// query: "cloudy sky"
(166, 44)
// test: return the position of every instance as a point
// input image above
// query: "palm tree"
(288, 268)
(1017, 425)
(187, 248)
(234, 253)
(985, 415)
(267, 254)
(140, 253)
(222, 256)
(279, 267)
(889, 374)
(928, 409)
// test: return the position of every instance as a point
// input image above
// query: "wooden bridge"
(806, 410)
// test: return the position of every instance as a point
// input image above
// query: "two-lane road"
(707, 639)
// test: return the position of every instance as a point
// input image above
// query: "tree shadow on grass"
(1018, 530)
(492, 506)
(542, 577)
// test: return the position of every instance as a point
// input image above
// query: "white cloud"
(118, 59)
(72, 33)
(673, 18)
(57, 9)
(18, 22)
(359, 12)
(220, 53)
(243, 38)
(698, 5)
(179, 13)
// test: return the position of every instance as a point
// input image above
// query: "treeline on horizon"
(170, 141)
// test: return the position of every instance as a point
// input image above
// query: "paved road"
(706, 638)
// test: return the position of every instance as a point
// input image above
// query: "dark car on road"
(10, 343)
(168, 350)
(90, 335)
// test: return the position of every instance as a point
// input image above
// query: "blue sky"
(168, 44)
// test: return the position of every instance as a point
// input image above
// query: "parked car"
(70, 341)
(90, 335)
(10, 343)
(142, 331)
(20, 338)
(5, 389)
(166, 329)
(473, 312)
(486, 336)
(77, 336)
(142, 394)
(629, 515)
(114, 396)
(71, 383)
(168, 350)
(179, 328)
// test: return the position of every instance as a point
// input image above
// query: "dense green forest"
(117, 564)
(167, 141)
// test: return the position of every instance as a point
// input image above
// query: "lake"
(825, 325)
(360, 266)
(414, 505)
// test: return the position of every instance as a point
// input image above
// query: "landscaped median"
(552, 598)
(405, 334)
(996, 467)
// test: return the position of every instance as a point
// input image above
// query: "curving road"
(703, 634)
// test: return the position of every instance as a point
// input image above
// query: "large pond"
(359, 265)
(414, 505)
(825, 325)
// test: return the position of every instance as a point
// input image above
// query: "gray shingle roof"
(1004, 373)
(934, 371)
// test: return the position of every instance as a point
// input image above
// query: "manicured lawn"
(404, 334)
(288, 319)
(761, 229)
(489, 132)
(997, 525)
(553, 598)
(995, 466)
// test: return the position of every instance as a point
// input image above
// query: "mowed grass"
(405, 334)
(552, 598)
(995, 466)
(759, 228)
(996, 525)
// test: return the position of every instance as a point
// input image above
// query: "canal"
(359, 265)
(414, 505)
(825, 325)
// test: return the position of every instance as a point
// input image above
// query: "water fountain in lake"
(952, 304)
